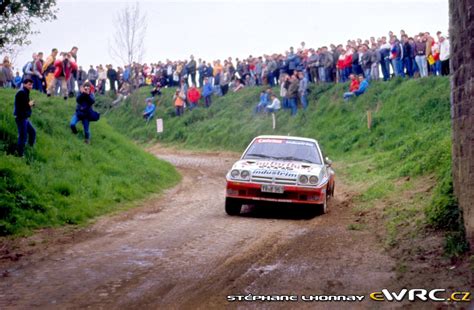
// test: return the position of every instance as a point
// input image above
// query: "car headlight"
(235, 173)
(244, 174)
(303, 179)
(313, 180)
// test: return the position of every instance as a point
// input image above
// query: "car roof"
(286, 138)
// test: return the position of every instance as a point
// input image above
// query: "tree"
(128, 41)
(17, 17)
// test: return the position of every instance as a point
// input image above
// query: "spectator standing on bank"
(385, 58)
(38, 73)
(49, 68)
(207, 92)
(112, 76)
(92, 75)
(102, 76)
(313, 62)
(191, 70)
(292, 94)
(224, 81)
(8, 72)
(201, 68)
(407, 52)
(3, 77)
(303, 90)
(63, 70)
(420, 58)
(444, 53)
(22, 112)
(375, 60)
(366, 61)
(81, 77)
(72, 79)
(396, 54)
(284, 85)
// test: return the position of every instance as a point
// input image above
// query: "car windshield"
(282, 149)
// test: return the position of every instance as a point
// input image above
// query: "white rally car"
(280, 169)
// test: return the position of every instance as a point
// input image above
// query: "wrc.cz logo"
(415, 294)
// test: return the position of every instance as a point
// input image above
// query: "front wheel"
(323, 208)
(232, 206)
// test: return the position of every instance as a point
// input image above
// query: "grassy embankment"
(410, 137)
(64, 181)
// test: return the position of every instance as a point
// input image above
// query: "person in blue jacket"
(362, 88)
(207, 91)
(149, 109)
(84, 111)
(263, 102)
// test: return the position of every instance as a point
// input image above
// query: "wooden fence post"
(369, 119)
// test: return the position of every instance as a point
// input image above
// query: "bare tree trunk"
(128, 41)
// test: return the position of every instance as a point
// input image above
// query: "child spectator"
(274, 106)
(179, 98)
(354, 83)
(363, 84)
(17, 80)
(262, 103)
(149, 109)
(193, 96)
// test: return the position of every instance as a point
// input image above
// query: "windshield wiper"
(258, 155)
(295, 159)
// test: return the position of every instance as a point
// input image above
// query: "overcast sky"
(218, 29)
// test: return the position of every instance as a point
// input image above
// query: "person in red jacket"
(193, 96)
(348, 62)
(62, 73)
(354, 83)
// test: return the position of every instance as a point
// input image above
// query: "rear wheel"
(232, 206)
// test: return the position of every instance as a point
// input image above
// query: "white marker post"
(159, 125)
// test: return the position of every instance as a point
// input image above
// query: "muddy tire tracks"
(182, 251)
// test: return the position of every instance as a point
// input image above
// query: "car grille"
(273, 180)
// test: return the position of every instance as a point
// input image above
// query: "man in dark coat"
(84, 112)
(22, 112)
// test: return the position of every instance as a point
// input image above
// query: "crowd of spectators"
(372, 59)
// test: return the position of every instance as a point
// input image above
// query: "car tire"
(332, 189)
(323, 208)
(232, 206)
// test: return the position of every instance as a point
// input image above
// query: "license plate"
(278, 189)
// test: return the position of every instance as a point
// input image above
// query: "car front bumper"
(292, 194)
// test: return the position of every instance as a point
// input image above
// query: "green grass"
(64, 181)
(410, 135)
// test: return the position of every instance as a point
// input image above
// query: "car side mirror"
(328, 161)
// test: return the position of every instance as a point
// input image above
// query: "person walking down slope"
(84, 112)
(22, 112)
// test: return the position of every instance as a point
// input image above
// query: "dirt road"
(183, 251)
